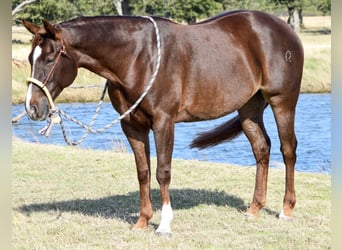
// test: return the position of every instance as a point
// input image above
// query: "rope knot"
(53, 118)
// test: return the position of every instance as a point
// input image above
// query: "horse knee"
(289, 153)
(144, 176)
(263, 154)
(262, 151)
(163, 175)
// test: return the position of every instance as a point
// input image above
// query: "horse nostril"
(33, 111)
(34, 108)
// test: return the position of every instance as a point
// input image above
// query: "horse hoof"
(284, 217)
(164, 234)
(138, 229)
(250, 216)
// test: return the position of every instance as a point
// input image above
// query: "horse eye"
(49, 60)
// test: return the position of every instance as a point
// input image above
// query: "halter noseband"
(43, 88)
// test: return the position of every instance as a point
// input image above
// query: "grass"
(316, 39)
(317, 64)
(72, 198)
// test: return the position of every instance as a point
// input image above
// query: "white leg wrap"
(166, 218)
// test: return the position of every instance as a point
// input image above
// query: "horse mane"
(86, 19)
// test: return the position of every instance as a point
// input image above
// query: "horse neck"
(110, 46)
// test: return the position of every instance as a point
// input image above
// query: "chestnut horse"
(239, 61)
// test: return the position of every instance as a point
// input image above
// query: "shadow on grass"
(322, 31)
(126, 207)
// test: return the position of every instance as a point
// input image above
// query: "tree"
(181, 10)
(324, 6)
(191, 11)
(21, 6)
(246, 4)
(151, 7)
(118, 6)
(62, 10)
(295, 8)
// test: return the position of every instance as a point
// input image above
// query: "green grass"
(72, 198)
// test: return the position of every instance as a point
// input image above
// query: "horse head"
(52, 69)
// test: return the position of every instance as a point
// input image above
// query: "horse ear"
(31, 27)
(50, 28)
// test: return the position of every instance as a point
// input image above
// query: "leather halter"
(42, 85)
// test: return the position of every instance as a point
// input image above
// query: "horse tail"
(224, 132)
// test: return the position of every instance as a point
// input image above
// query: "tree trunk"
(122, 7)
(118, 6)
(295, 18)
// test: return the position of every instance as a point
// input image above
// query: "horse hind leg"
(284, 114)
(251, 118)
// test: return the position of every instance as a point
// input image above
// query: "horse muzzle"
(38, 110)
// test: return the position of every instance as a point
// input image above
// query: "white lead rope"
(54, 113)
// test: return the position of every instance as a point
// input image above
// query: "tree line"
(187, 11)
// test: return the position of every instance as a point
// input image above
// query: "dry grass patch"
(71, 198)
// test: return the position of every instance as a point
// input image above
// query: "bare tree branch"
(118, 6)
(21, 6)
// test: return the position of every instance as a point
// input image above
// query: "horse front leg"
(139, 141)
(163, 129)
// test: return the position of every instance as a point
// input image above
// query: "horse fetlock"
(141, 223)
(289, 203)
(252, 213)
(253, 210)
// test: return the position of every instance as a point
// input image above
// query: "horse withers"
(239, 61)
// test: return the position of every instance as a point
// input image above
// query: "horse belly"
(215, 100)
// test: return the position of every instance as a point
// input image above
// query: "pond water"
(313, 129)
